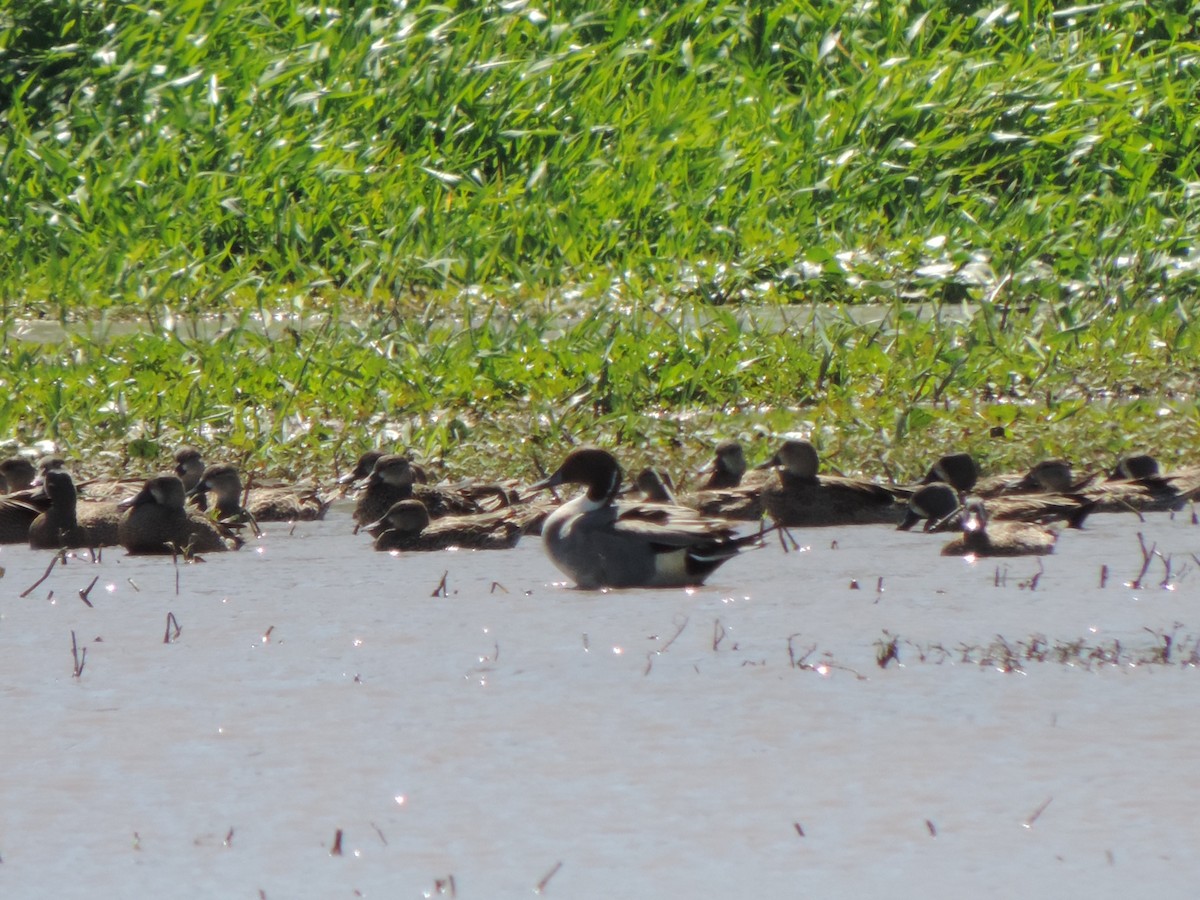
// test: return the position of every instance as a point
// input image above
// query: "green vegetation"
(481, 230)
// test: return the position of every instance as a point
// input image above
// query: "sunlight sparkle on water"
(110, 587)
(260, 550)
(617, 651)
(400, 799)
(358, 642)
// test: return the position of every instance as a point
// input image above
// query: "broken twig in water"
(336, 849)
(1147, 557)
(80, 658)
(168, 637)
(83, 593)
(60, 555)
(718, 633)
(541, 885)
(440, 590)
(1028, 823)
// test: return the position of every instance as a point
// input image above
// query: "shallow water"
(655, 743)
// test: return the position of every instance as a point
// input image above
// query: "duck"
(366, 463)
(58, 527)
(392, 480)
(730, 491)
(189, 466)
(100, 519)
(276, 503)
(18, 474)
(959, 470)
(156, 521)
(978, 538)
(940, 506)
(407, 526)
(801, 497)
(22, 503)
(600, 542)
(727, 468)
(1136, 484)
(1049, 476)
(654, 486)
(1136, 467)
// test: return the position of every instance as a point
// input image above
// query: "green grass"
(492, 228)
(509, 390)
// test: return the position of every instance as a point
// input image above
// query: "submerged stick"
(79, 658)
(440, 590)
(172, 621)
(83, 593)
(1028, 823)
(541, 885)
(61, 554)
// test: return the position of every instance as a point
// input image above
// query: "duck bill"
(911, 518)
(772, 463)
(142, 496)
(351, 477)
(545, 484)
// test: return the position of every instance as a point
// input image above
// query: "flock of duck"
(607, 536)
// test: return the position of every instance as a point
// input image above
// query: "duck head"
(189, 466)
(598, 469)
(936, 503)
(727, 467)
(955, 469)
(163, 490)
(795, 459)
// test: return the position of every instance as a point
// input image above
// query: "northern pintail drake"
(981, 538)
(407, 526)
(801, 497)
(58, 527)
(392, 480)
(276, 503)
(156, 521)
(941, 506)
(600, 542)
